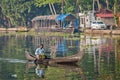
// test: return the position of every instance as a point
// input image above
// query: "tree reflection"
(100, 58)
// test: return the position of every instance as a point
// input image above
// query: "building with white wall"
(86, 18)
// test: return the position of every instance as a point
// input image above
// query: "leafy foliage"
(39, 3)
(18, 12)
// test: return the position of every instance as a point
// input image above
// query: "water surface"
(101, 59)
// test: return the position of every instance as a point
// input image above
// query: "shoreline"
(15, 29)
(87, 31)
(103, 32)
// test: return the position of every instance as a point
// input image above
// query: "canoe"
(29, 57)
(60, 60)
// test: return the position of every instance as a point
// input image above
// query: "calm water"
(101, 59)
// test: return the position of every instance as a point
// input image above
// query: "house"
(106, 16)
(55, 22)
(43, 23)
(85, 19)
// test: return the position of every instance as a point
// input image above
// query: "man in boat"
(39, 53)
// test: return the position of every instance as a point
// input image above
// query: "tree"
(86, 5)
(116, 10)
(15, 11)
(44, 2)
(51, 3)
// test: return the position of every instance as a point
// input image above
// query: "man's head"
(41, 46)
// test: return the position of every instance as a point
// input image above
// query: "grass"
(35, 33)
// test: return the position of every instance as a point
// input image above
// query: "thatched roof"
(45, 17)
(60, 17)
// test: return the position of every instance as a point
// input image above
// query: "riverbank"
(15, 29)
(112, 32)
(87, 31)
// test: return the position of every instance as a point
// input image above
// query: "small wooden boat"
(62, 60)
(22, 29)
(29, 57)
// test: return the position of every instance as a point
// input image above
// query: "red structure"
(106, 16)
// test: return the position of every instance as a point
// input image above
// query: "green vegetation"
(14, 13)
(34, 33)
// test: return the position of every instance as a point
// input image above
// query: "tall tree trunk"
(115, 11)
(51, 9)
(62, 6)
(77, 7)
(107, 4)
(98, 3)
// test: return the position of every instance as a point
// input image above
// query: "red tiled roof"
(105, 15)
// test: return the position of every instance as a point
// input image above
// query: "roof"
(63, 17)
(60, 17)
(49, 17)
(105, 15)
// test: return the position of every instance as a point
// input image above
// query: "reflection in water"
(100, 57)
(40, 70)
(53, 51)
(101, 60)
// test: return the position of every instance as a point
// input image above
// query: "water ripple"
(13, 60)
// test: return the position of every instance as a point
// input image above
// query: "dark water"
(101, 59)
